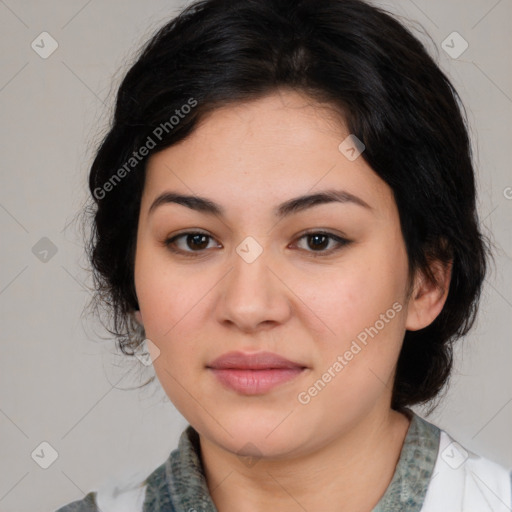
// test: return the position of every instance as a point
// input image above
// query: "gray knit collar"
(179, 485)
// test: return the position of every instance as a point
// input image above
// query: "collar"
(179, 485)
(414, 469)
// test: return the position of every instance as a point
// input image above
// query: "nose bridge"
(251, 279)
(253, 294)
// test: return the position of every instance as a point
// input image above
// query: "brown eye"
(197, 241)
(192, 242)
(317, 242)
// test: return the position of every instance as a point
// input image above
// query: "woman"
(284, 216)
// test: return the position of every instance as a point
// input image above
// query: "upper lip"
(252, 361)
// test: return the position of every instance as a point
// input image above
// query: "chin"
(255, 435)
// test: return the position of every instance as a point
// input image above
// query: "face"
(322, 284)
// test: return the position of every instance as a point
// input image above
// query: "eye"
(193, 243)
(194, 240)
(319, 240)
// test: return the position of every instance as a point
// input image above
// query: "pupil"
(195, 238)
(315, 237)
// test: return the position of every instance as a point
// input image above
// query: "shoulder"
(463, 481)
(88, 504)
(140, 492)
(119, 494)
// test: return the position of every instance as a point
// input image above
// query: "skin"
(339, 451)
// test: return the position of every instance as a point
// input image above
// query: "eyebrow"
(295, 205)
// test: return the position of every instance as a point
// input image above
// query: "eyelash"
(342, 242)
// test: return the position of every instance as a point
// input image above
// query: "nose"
(254, 296)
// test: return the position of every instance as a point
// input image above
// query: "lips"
(256, 361)
(254, 374)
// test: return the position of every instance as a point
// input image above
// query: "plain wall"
(64, 385)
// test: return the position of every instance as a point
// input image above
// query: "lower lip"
(255, 382)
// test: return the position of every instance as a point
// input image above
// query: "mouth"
(254, 374)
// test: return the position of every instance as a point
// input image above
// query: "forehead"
(263, 152)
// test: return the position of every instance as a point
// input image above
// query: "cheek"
(170, 303)
(355, 364)
(361, 308)
(349, 298)
(166, 295)
(175, 304)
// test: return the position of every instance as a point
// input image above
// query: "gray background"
(61, 382)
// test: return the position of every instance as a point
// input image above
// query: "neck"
(350, 472)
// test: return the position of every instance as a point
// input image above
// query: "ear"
(138, 316)
(427, 299)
